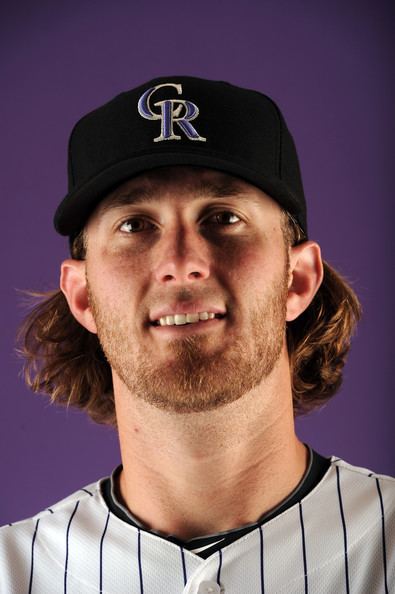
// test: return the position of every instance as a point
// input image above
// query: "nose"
(182, 256)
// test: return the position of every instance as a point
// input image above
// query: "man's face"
(183, 241)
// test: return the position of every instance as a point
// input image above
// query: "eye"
(135, 225)
(226, 217)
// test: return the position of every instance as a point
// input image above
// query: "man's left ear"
(306, 274)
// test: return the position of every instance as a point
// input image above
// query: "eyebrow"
(149, 193)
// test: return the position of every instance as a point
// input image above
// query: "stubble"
(197, 375)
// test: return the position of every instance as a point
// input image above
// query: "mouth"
(186, 318)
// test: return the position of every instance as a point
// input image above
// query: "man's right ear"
(74, 287)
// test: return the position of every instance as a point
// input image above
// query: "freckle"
(136, 430)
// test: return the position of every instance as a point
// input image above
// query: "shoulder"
(354, 480)
(358, 477)
(361, 498)
(60, 507)
(360, 470)
(48, 529)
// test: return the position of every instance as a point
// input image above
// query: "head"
(185, 240)
(179, 238)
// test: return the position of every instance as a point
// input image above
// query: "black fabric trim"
(316, 470)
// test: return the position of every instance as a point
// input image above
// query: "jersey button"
(209, 588)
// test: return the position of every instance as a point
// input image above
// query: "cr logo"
(172, 111)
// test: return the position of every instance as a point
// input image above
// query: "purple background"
(328, 66)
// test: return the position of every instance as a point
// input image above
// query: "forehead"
(194, 182)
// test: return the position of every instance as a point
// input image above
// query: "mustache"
(186, 295)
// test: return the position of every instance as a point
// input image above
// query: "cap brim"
(75, 209)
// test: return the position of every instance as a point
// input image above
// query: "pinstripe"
(101, 552)
(306, 583)
(383, 536)
(67, 547)
(139, 560)
(86, 491)
(261, 558)
(32, 558)
(344, 530)
(347, 486)
(219, 568)
(184, 569)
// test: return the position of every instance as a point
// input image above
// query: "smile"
(189, 318)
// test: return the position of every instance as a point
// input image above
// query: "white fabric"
(82, 547)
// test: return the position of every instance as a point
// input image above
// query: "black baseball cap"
(180, 120)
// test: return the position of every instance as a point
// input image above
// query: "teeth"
(191, 318)
(181, 319)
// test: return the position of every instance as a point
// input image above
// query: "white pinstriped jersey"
(338, 539)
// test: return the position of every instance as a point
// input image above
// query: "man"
(196, 317)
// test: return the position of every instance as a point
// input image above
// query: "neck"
(202, 473)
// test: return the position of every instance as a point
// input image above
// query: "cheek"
(121, 261)
(251, 262)
(116, 278)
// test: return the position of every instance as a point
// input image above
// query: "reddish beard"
(196, 377)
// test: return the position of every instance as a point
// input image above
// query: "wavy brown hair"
(66, 362)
